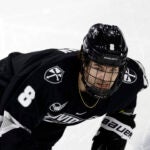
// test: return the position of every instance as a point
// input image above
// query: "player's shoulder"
(35, 58)
(136, 72)
(59, 54)
(41, 54)
(136, 66)
(63, 51)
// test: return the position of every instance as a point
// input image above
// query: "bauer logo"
(130, 76)
(112, 124)
(54, 75)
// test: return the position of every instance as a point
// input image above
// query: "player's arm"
(20, 117)
(10, 66)
(6, 74)
(14, 136)
(115, 130)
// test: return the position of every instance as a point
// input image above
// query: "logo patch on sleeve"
(130, 76)
(54, 75)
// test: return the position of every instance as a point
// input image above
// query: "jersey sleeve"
(17, 139)
(5, 74)
(13, 136)
(142, 72)
(25, 104)
(17, 120)
(116, 129)
(123, 119)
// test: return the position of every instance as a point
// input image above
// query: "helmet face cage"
(93, 79)
(100, 87)
(105, 46)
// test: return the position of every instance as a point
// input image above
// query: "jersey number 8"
(26, 97)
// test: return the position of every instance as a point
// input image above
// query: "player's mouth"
(102, 86)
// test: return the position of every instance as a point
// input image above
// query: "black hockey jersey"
(43, 86)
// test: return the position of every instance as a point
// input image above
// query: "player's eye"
(98, 68)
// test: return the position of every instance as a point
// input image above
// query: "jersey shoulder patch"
(136, 71)
(141, 67)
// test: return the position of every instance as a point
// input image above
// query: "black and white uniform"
(39, 97)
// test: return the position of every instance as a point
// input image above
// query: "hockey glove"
(114, 132)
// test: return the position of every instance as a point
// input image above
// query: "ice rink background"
(31, 25)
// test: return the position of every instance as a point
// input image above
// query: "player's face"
(101, 76)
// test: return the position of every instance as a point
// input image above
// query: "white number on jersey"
(26, 97)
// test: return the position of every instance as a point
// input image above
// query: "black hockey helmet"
(105, 45)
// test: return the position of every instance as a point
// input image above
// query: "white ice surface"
(29, 25)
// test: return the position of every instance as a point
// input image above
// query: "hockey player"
(43, 92)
